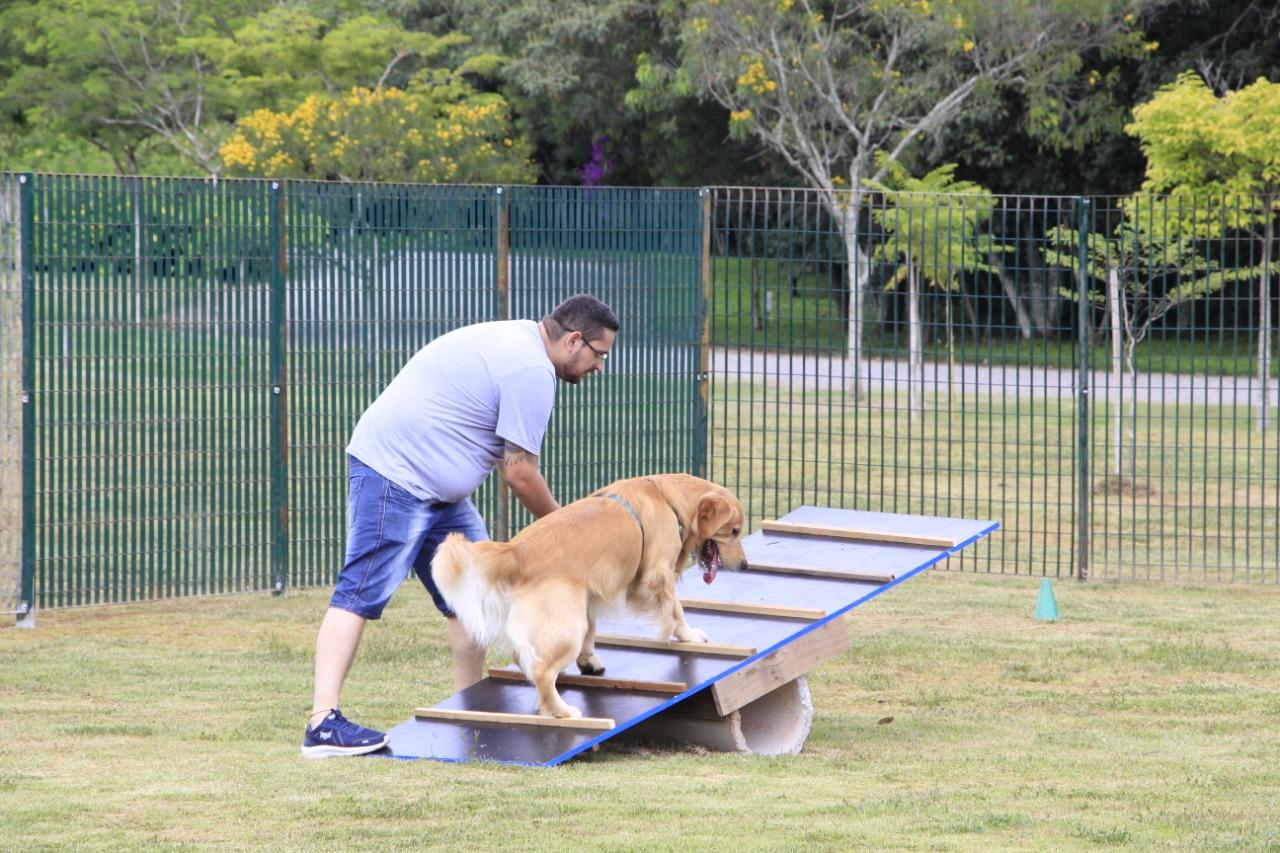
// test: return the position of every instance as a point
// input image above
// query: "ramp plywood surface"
(845, 564)
(874, 561)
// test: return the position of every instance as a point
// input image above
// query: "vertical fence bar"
(502, 292)
(11, 396)
(1082, 385)
(701, 417)
(279, 383)
(26, 233)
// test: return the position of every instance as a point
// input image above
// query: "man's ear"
(713, 512)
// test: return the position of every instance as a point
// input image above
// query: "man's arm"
(519, 468)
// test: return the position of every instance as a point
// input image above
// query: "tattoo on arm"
(513, 454)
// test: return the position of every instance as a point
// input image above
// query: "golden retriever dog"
(624, 546)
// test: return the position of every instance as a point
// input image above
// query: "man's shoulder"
(517, 349)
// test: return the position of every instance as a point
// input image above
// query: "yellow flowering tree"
(430, 134)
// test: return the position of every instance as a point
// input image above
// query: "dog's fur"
(542, 591)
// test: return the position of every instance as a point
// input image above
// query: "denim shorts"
(389, 533)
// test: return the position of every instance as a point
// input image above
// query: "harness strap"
(621, 501)
(629, 508)
(679, 521)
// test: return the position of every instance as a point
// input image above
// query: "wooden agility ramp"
(744, 690)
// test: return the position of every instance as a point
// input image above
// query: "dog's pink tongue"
(712, 567)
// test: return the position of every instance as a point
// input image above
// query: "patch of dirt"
(1125, 487)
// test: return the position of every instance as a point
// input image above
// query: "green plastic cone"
(1046, 604)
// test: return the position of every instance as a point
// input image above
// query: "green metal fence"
(1098, 374)
(199, 351)
(11, 408)
(182, 361)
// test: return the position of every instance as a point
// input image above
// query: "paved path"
(820, 372)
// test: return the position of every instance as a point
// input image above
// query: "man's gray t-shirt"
(438, 429)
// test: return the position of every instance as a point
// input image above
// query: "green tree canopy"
(1200, 144)
(156, 83)
(831, 86)
(277, 59)
(1218, 157)
(930, 225)
(120, 74)
(570, 74)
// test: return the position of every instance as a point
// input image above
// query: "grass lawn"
(1199, 500)
(1145, 718)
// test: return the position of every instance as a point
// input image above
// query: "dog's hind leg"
(550, 703)
(588, 662)
(546, 628)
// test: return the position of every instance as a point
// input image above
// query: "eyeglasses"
(600, 355)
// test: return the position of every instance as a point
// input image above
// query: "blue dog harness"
(622, 502)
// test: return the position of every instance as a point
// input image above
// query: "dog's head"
(718, 526)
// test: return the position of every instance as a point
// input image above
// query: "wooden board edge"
(773, 525)
(816, 572)
(460, 716)
(599, 681)
(717, 649)
(751, 608)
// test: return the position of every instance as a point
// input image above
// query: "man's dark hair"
(581, 313)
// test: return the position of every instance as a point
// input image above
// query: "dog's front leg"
(588, 662)
(674, 621)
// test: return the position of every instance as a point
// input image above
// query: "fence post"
(26, 261)
(701, 420)
(502, 258)
(1082, 385)
(279, 380)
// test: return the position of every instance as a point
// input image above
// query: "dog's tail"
(475, 579)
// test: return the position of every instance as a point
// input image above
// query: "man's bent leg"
(468, 658)
(336, 645)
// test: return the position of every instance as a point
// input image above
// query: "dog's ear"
(713, 511)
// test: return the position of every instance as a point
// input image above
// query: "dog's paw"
(692, 635)
(591, 666)
(570, 712)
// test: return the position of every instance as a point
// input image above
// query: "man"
(475, 398)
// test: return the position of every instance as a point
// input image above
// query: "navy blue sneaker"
(336, 735)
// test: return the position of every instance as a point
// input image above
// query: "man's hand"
(519, 469)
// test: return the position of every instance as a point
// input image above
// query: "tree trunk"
(1184, 317)
(1043, 294)
(970, 312)
(757, 312)
(859, 273)
(1117, 335)
(1011, 293)
(915, 348)
(1129, 346)
(951, 339)
(1264, 324)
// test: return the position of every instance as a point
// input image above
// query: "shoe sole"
(336, 751)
